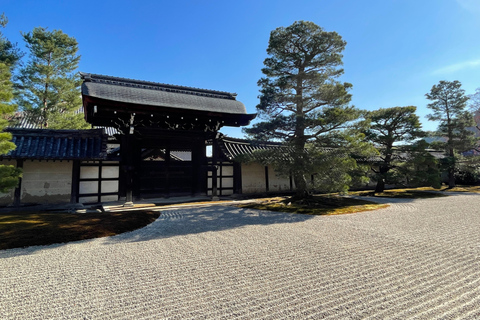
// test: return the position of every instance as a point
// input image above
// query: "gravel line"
(417, 259)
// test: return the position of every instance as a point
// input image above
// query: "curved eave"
(161, 99)
(107, 109)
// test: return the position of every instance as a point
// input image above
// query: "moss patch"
(417, 193)
(316, 205)
(23, 229)
(460, 188)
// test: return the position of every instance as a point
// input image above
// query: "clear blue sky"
(396, 49)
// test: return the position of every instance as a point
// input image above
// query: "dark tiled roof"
(46, 144)
(232, 147)
(21, 121)
(159, 94)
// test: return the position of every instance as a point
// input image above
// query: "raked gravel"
(416, 259)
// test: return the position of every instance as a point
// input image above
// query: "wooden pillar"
(18, 190)
(220, 176)
(127, 150)
(75, 181)
(167, 168)
(214, 169)
(291, 182)
(237, 178)
(198, 167)
(266, 179)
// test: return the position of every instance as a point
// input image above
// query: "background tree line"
(42, 83)
(305, 106)
(302, 103)
(45, 79)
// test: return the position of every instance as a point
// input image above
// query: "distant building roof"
(233, 147)
(20, 120)
(46, 144)
(160, 95)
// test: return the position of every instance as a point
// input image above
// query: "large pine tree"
(449, 104)
(301, 99)
(49, 84)
(387, 128)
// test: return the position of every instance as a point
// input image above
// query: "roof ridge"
(143, 84)
(250, 141)
(48, 131)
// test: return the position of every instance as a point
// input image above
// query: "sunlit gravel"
(416, 259)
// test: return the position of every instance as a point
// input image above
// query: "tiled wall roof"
(46, 144)
(21, 121)
(232, 147)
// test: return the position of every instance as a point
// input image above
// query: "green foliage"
(419, 168)
(6, 108)
(10, 54)
(9, 175)
(391, 125)
(474, 101)
(448, 104)
(301, 99)
(50, 87)
(331, 161)
(387, 127)
(467, 171)
(68, 120)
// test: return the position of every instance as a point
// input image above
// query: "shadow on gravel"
(180, 222)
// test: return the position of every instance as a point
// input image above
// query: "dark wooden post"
(214, 169)
(291, 182)
(167, 168)
(126, 150)
(237, 178)
(18, 190)
(198, 166)
(75, 181)
(266, 179)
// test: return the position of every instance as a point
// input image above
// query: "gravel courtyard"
(416, 259)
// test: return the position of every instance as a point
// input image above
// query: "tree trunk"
(451, 178)
(380, 186)
(299, 141)
(451, 153)
(384, 168)
(301, 186)
(451, 169)
(381, 179)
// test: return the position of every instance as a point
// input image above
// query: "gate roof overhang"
(111, 101)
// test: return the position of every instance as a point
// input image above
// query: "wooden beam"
(74, 193)
(266, 179)
(18, 190)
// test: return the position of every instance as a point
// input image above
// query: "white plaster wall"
(88, 187)
(277, 182)
(110, 172)
(46, 181)
(93, 172)
(253, 178)
(89, 172)
(7, 198)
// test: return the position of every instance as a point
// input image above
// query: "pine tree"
(388, 127)
(449, 104)
(300, 98)
(9, 175)
(10, 54)
(49, 83)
